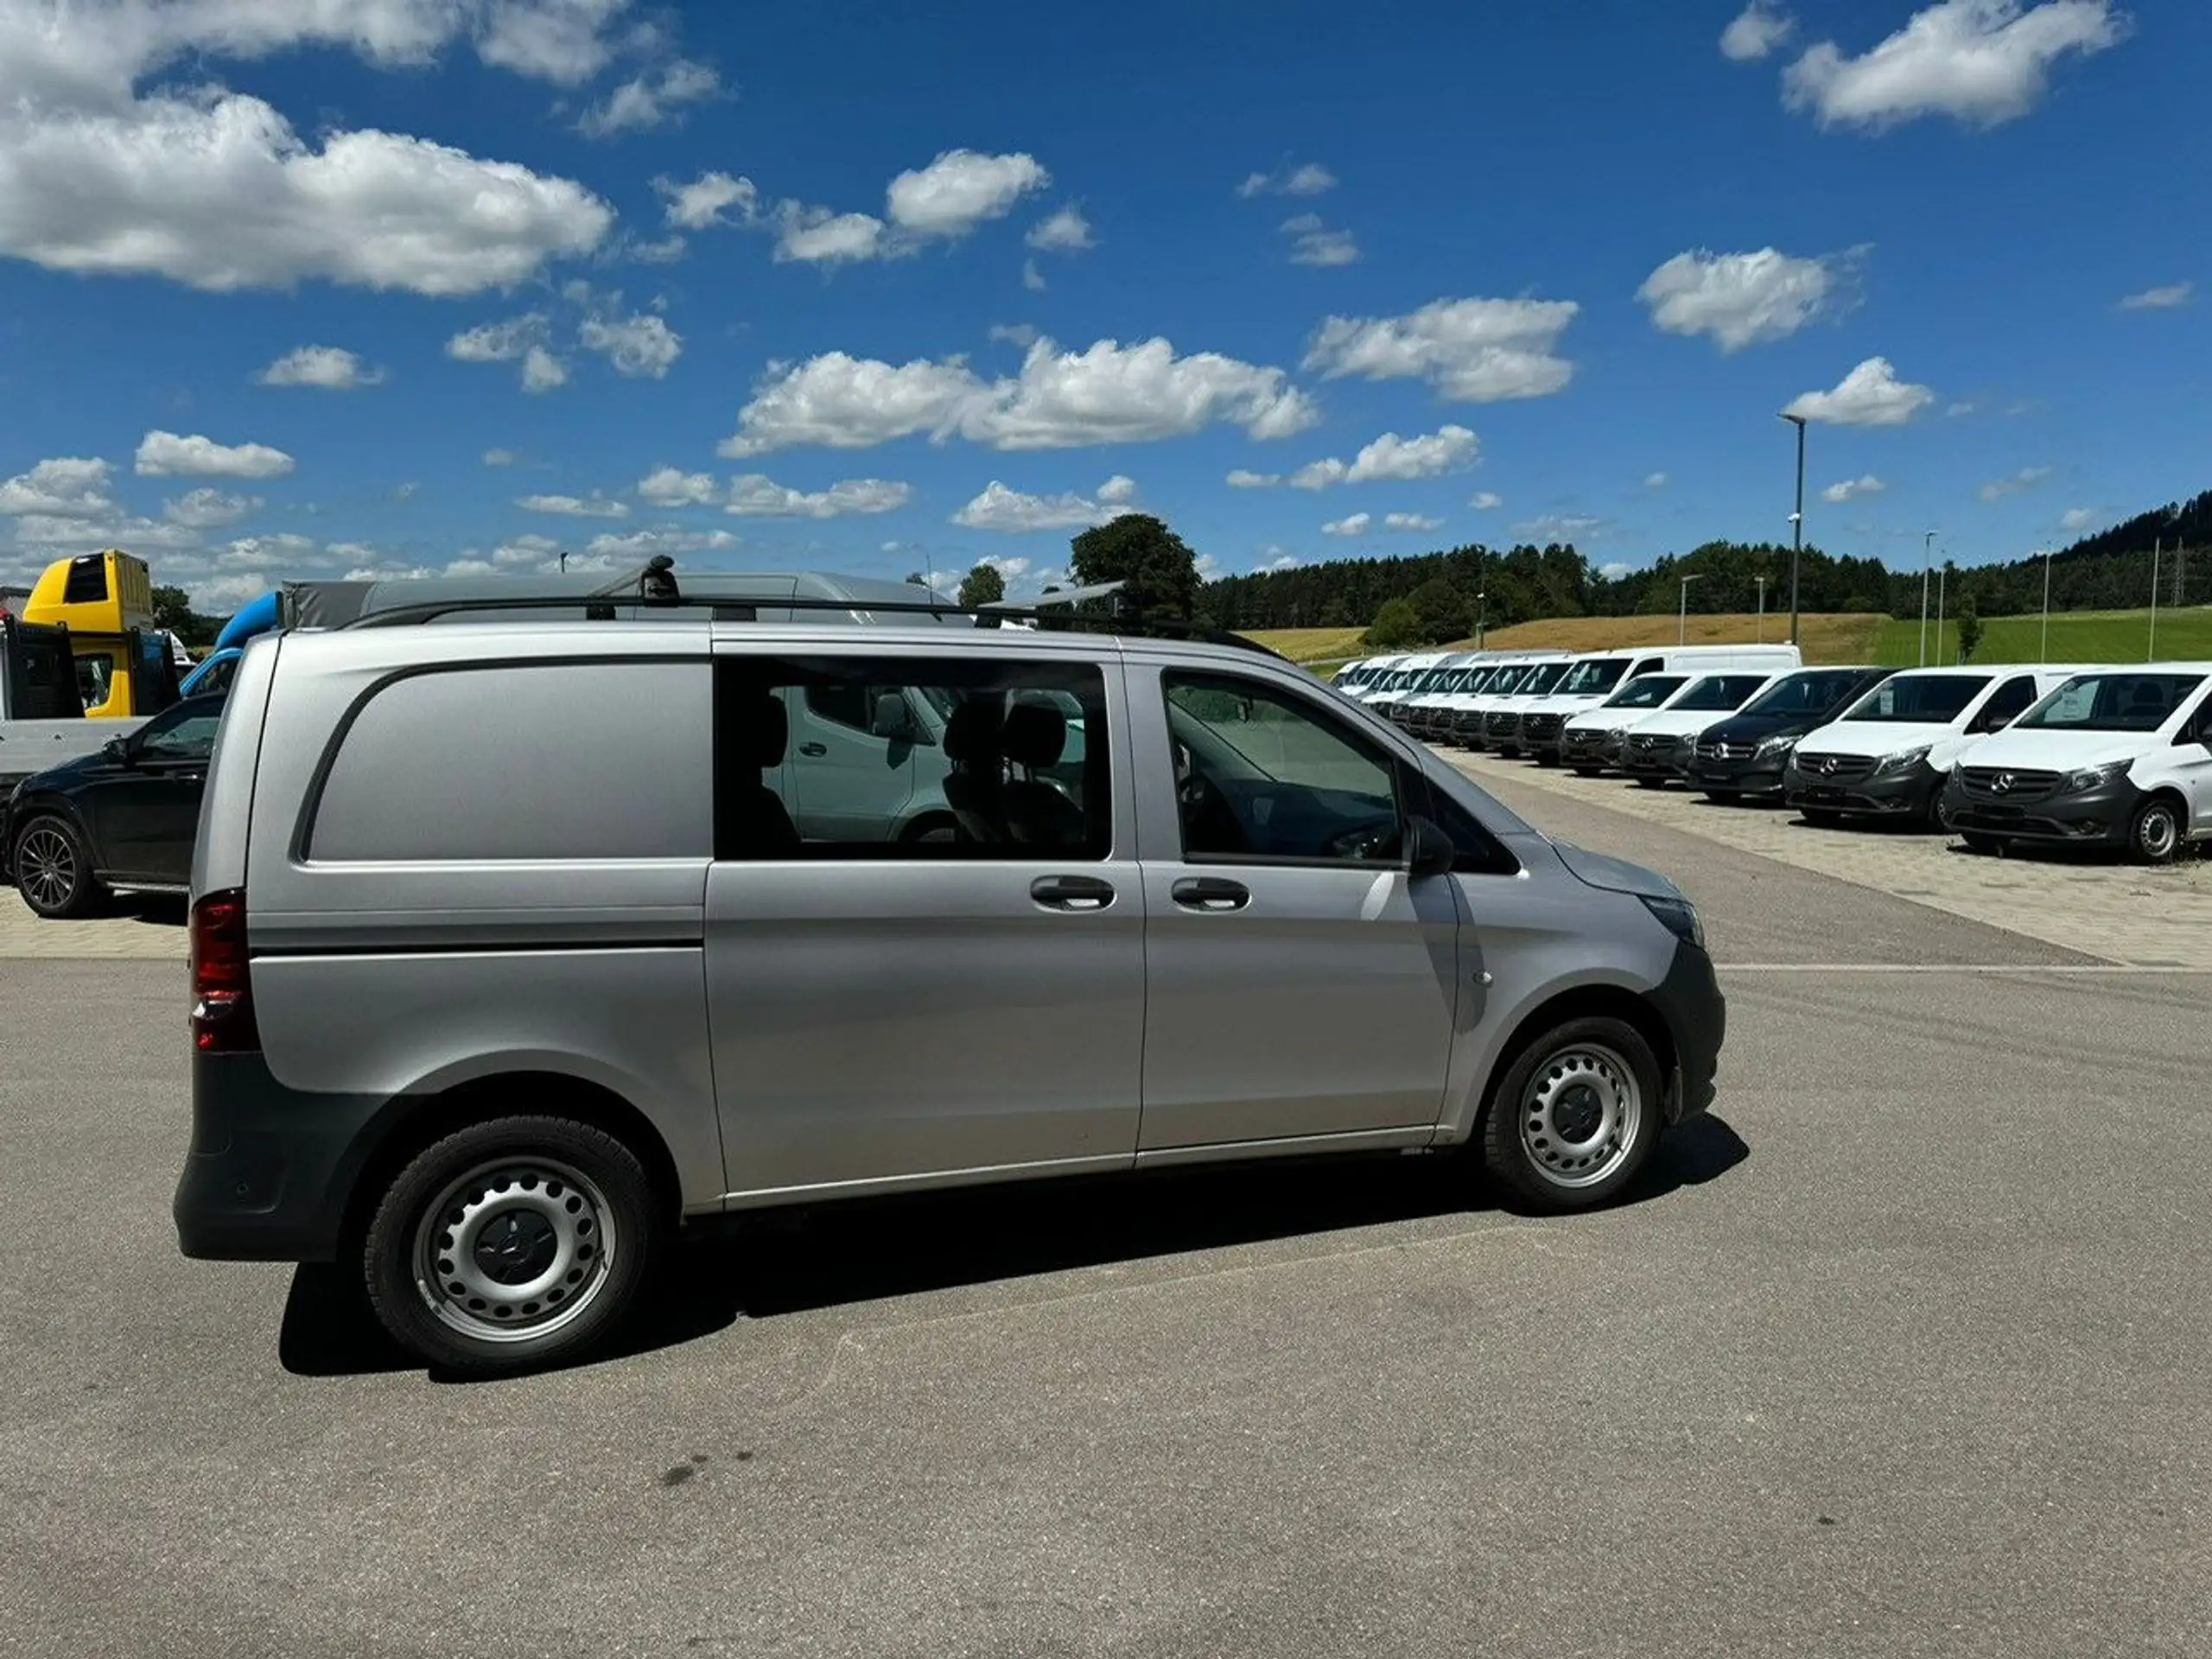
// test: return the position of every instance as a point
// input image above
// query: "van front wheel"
(511, 1245)
(1574, 1117)
(2154, 837)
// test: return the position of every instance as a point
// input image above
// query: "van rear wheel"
(1575, 1115)
(511, 1245)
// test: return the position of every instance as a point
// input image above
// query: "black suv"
(1745, 754)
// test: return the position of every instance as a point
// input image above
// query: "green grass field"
(2075, 637)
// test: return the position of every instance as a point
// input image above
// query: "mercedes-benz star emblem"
(1827, 766)
(2004, 782)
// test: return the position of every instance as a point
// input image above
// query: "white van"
(1407, 673)
(2115, 757)
(1591, 742)
(1889, 755)
(1657, 749)
(1428, 711)
(1597, 675)
(1527, 675)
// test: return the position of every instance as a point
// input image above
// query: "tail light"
(222, 984)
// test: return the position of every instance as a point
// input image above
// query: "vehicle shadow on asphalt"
(766, 1264)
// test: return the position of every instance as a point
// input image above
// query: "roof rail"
(654, 588)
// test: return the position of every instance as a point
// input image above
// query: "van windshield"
(1721, 691)
(1930, 699)
(1467, 679)
(1646, 691)
(2111, 703)
(1811, 693)
(1506, 680)
(1544, 678)
(1591, 679)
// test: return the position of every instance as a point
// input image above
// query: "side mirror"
(1429, 851)
(889, 717)
(117, 749)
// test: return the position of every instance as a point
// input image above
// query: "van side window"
(533, 761)
(1260, 775)
(845, 758)
(2007, 703)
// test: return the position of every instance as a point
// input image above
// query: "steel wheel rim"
(2156, 836)
(46, 867)
(1580, 1114)
(515, 1249)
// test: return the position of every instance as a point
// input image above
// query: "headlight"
(1774, 746)
(1679, 916)
(2093, 777)
(1892, 764)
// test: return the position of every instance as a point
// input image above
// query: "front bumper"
(271, 1169)
(1590, 749)
(1900, 795)
(1662, 762)
(2094, 817)
(1696, 1013)
(1736, 777)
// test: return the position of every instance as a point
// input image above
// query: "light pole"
(1941, 571)
(1796, 523)
(1927, 552)
(1759, 636)
(2043, 652)
(1482, 616)
(2151, 655)
(1682, 634)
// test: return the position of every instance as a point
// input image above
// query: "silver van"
(519, 947)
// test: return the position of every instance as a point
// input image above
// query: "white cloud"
(1309, 179)
(165, 454)
(220, 596)
(1959, 408)
(278, 550)
(1409, 521)
(1014, 334)
(1654, 480)
(1002, 509)
(542, 370)
(638, 346)
(1871, 395)
(821, 237)
(669, 486)
(2158, 299)
(1448, 450)
(216, 189)
(331, 368)
(707, 201)
(1741, 299)
(2026, 479)
(528, 548)
(1356, 524)
(1274, 558)
(2076, 518)
(1486, 500)
(650, 98)
(959, 190)
(594, 505)
(1551, 527)
(756, 497)
(1982, 62)
(1311, 243)
(1851, 488)
(1471, 351)
(1007, 566)
(667, 251)
(555, 40)
(116, 529)
(1066, 231)
(500, 457)
(1240, 480)
(1109, 393)
(1613, 571)
(66, 487)
(1757, 30)
(1032, 278)
(206, 509)
(642, 544)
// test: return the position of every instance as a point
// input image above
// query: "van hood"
(1753, 728)
(2038, 751)
(1877, 739)
(1554, 702)
(1613, 874)
(1608, 720)
(1681, 722)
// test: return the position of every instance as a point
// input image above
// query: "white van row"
(2051, 753)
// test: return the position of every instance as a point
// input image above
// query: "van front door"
(1298, 983)
(974, 1002)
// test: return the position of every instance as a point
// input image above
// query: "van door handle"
(814, 748)
(1211, 893)
(1071, 892)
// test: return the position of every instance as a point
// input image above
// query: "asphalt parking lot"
(1905, 1350)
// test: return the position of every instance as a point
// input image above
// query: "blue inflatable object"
(255, 616)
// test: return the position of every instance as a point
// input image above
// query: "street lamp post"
(1927, 552)
(1482, 616)
(1941, 571)
(1682, 634)
(2043, 652)
(2157, 548)
(1796, 523)
(1759, 636)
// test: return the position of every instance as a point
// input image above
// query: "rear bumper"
(2094, 817)
(271, 1169)
(1906, 795)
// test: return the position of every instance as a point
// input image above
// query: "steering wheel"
(1367, 842)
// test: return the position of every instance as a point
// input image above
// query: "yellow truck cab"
(107, 602)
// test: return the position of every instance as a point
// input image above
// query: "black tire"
(930, 826)
(1821, 817)
(2156, 835)
(1725, 797)
(1939, 817)
(1543, 760)
(616, 1201)
(1589, 772)
(1977, 841)
(1508, 1152)
(52, 864)
(1642, 782)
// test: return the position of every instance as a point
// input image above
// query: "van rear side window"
(542, 760)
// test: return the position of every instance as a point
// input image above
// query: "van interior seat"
(1038, 812)
(761, 824)
(974, 750)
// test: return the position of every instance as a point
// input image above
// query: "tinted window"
(1645, 691)
(1543, 679)
(1806, 694)
(1719, 691)
(1507, 680)
(86, 583)
(2111, 702)
(2006, 703)
(1260, 774)
(1587, 679)
(184, 731)
(567, 760)
(1928, 698)
(882, 758)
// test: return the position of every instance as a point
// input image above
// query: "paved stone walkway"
(2121, 912)
(134, 928)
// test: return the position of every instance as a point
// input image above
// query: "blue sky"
(338, 285)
